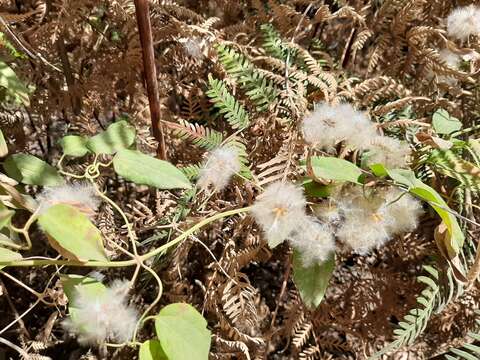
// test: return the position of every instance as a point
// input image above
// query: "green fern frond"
(274, 45)
(467, 351)
(199, 135)
(232, 110)
(191, 171)
(257, 87)
(416, 320)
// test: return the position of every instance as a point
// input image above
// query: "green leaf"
(315, 189)
(443, 123)
(152, 350)
(428, 194)
(331, 168)
(312, 281)
(15, 88)
(31, 170)
(8, 255)
(5, 215)
(74, 145)
(378, 170)
(76, 286)
(182, 332)
(144, 169)
(72, 234)
(3, 145)
(119, 135)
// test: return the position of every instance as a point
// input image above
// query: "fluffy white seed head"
(328, 125)
(193, 47)
(279, 210)
(221, 165)
(388, 151)
(450, 59)
(362, 228)
(106, 317)
(314, 241)
(463, 22)
(328, 212)
(401, 211)
(80, 195)
(370, 220)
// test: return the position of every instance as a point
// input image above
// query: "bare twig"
(31, 53)
(150, 73)
(22, 352)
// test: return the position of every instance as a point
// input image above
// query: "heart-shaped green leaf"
(143, 169)
(29, 169)
(444, 123)
(72, 234)
(74, 145)
(119, 135)
(152, 350)
(182, 332)
(312, 281)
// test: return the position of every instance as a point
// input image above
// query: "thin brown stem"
(69, 78)
(150, 73)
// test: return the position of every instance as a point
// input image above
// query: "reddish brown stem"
(69, 78)
(150, 73)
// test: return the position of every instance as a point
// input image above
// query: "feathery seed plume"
(80, 195)
(463, 22)
(279, 210)
(388, 151)
(106, 317)
(328, 125)
(221, 165)
(314, 241)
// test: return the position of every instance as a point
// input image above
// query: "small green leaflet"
(312, 281)
(72, 234)
(146, 170)
(331, 168)
(183, 332)
(8, 255)
(428, 194)
(152, 350)
(119, 135)
(3, 146)
(74, 145)
(445, 124)
(15, 88)
(29, 169)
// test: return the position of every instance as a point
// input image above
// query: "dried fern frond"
(199, 135)
(238, 301)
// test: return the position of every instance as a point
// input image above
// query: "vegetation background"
(249, 72)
